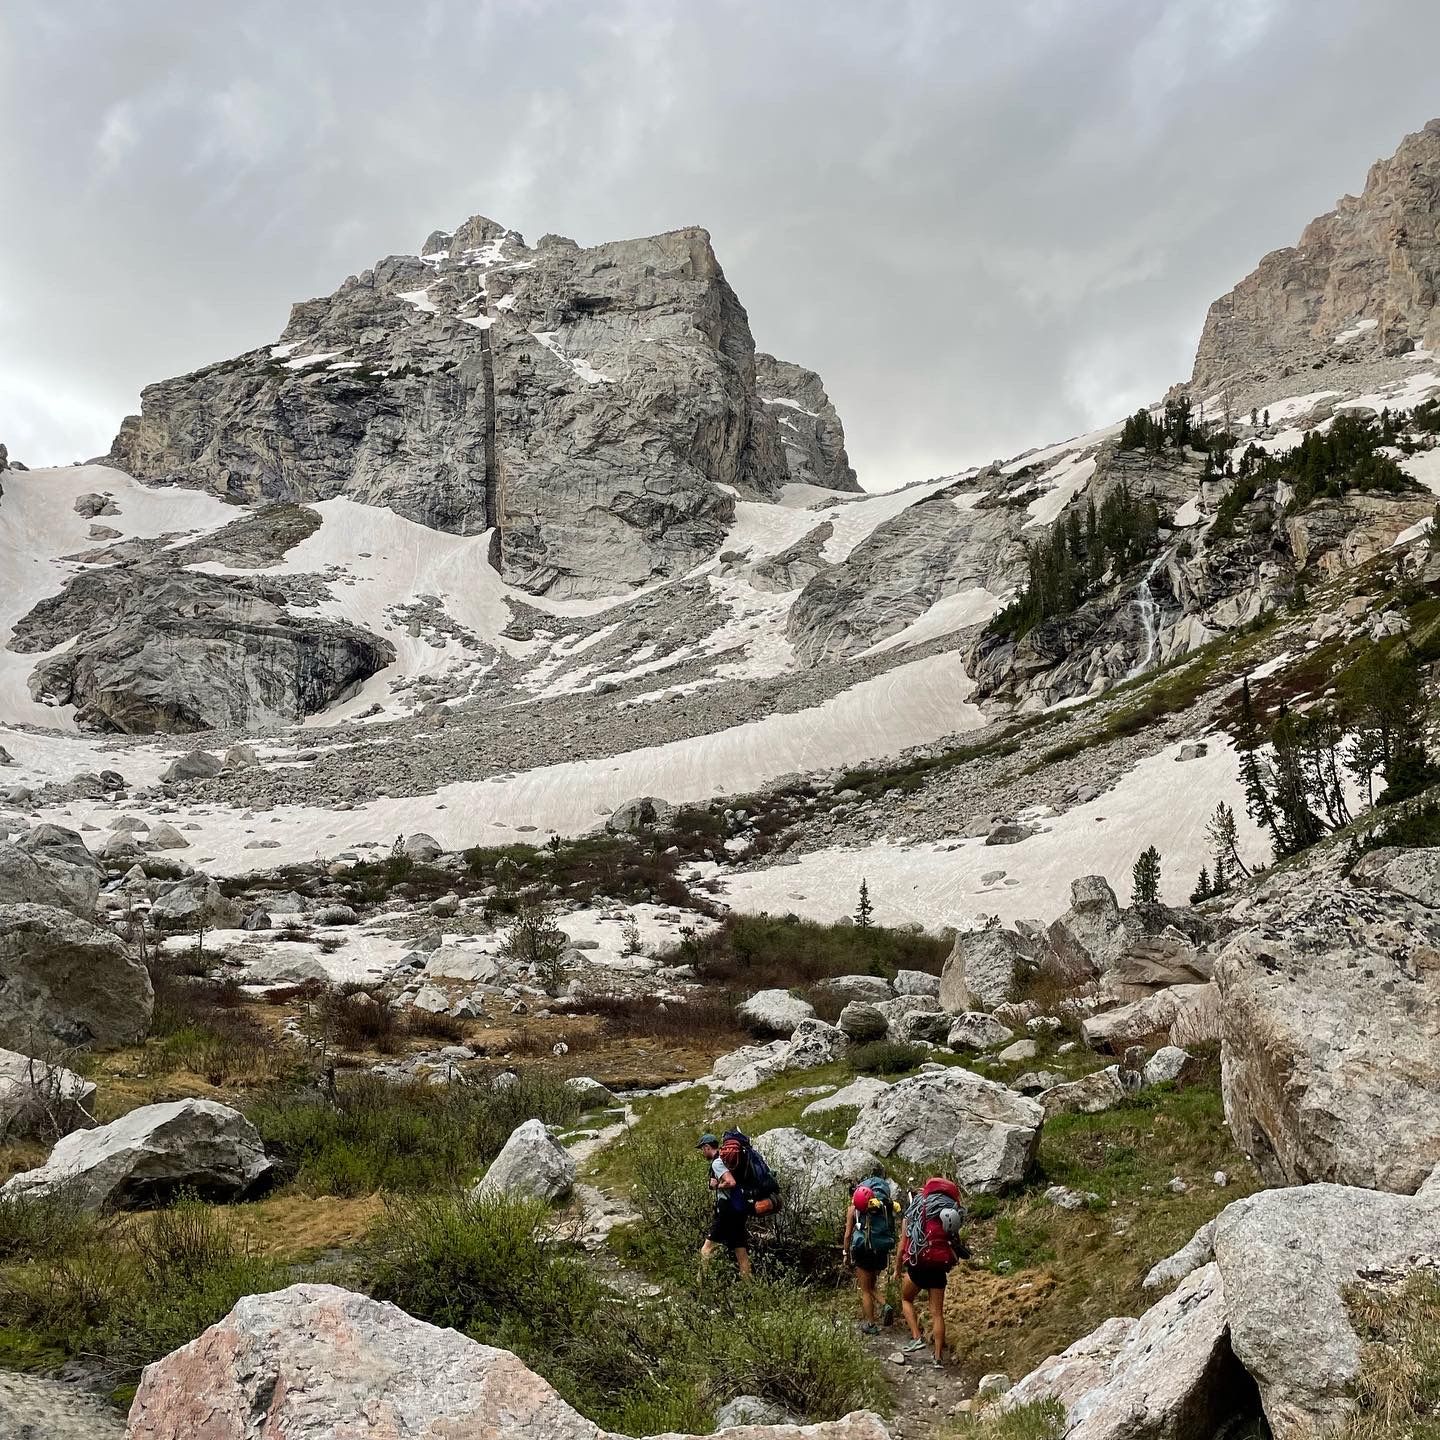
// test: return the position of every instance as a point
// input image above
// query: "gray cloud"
(988, 225)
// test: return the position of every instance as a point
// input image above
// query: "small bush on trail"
(372, 1134)
(40, 1228)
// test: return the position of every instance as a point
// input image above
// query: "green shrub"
(121, 1296)
(372, 1134)
(38, 1229)
(758, 952)
(884, 1057)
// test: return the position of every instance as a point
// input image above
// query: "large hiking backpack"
(756, 1179)
(932, 1225)
(875, 1226)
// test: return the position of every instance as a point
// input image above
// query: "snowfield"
(1163, 802)
(910, 705)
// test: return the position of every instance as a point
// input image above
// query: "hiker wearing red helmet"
(930, 1247)
(869, 1241)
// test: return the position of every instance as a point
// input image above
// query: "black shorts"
(874, 1262)
(727, 1228)
(928, 1277)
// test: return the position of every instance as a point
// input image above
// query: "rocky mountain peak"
(1363, 281)
(596, 407)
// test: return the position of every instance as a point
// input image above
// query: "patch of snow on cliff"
(856, 520)
(1359, 328)
(947, 615)
(420, 299)
(1188, 514)
(583, 368)
(303, 362)
(1066, 480)
(1424, 467)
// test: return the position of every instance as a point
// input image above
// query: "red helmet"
(863, 1198)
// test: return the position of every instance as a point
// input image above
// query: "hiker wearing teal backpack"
(870, 1233)
(930, 1247)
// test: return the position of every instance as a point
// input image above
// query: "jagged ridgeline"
(599, 409)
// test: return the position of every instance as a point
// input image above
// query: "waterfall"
(1149, 617)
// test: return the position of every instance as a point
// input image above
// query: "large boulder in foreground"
(985, 1132)
(1169, 1375)
(50, 866)
(323, 1363)
(1331, 1048)
(41, 1099)
(1091, 933)
(1286, 1259)
(66, 982)
(531, 1165)
(149, 1155)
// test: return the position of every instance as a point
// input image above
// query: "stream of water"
(1149, 609)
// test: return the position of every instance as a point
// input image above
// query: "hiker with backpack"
(870, 1241)
(744, 1185)
(929, 1249)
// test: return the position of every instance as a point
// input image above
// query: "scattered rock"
(532, 1164)
(975, 1030)
(41, 1099)
(150, 1154)
(776, 1012)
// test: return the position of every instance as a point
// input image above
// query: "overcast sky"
(987, 223)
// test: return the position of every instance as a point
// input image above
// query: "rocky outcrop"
(597, 407)
(1169, 1375)
(313, 1358)
(1364, 279)
(149, 1155)
(1331, 1041)
(941, 546)
(532, 1165)
(65, 982)
(986, 1131)
(810, 430)
(161, 648)
(1286, 1259)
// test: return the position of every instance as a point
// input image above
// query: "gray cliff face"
(160, 648)
(810, 430)
(925, 553)
(596, 407)
(1363, 281)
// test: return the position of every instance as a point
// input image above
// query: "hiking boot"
(869, 1327)
(911, 1346)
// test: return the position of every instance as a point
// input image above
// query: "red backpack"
(931, 1224)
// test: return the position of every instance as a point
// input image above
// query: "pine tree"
(1145, 878)
(864, 909)
(1202, 890)
(1225, 848)
(1258, 804)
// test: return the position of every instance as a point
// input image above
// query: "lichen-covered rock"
(151, 1154)
(67, 982)
(193, 902)
(986, 1131)
(1089, 1095)
(777, 1012)
(1091, 933)
(1157, 1014)
(812, 1162)
(1330, 1062)
(317, 1361)
(975, 1030)
(814, 1043)
(1286, 1258)
(1169, 1375)
(862, 1021)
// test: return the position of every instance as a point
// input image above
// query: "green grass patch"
(1397, 1391)
(370, 1134)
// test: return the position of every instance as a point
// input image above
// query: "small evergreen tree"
(1145, 878)
(1224, 848)
(536, 941)
(864, 910)
(1202, 890)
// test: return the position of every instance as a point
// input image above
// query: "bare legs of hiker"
(741, 1254)
(935, 1301)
